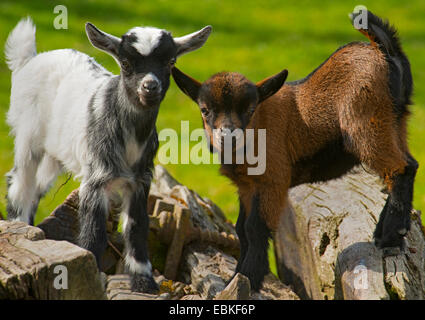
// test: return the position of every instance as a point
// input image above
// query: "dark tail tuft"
(385, 37)
(380, 32)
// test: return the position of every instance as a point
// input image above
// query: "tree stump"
(324, 244)
(32, 267)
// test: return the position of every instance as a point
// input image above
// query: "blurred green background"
(256, 38)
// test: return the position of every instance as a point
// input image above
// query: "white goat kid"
(68, 113)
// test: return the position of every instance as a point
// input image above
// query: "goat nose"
(150, 85)
(225, 132)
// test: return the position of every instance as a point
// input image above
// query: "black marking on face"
(135, 67)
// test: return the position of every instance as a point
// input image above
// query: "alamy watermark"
(360, 17)
(60, 282)
(234, 147)
(61, 20)
(361, 277)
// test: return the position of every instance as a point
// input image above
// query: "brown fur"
(301, 119)
(369, 36)
(318, 128)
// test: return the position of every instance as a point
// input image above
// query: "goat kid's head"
(227, 102)
(146, 56)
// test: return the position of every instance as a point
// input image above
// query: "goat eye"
(125, 65)
(172, 62)
(251, 110)
(204, 111)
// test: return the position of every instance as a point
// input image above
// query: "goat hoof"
(391, 246)
(392, 239)
(377, 242)
(402, 231)
(255, 280)
(144, 283)
(391, 251)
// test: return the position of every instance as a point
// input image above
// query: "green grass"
(255, 38)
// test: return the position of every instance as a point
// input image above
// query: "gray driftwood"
(325, 249)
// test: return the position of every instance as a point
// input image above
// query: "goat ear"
(186, 84)
(269, 86)
(103, 40)
(192, 41)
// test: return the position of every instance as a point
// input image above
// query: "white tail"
(20, 45)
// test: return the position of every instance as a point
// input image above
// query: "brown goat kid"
(351, 110)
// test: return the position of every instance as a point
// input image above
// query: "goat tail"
(20, 45)
(379, 32)
(384, 36)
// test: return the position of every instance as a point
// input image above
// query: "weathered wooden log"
(32, 267)
(325, 250)
(118, 288)
(182, 220)
(62, 223)
(208, 270)
(237, 289)
(204, 263)
(179, 216)
(205, 215)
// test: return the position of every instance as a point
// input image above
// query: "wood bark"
(208, 270)
(325, 250)
(28, 266)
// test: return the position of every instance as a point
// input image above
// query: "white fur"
(133, 150)
(125, 219)
(20, 45)
(138, 267)
(148, 39)
(48, 113)
(48, 109)
(22, 192)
